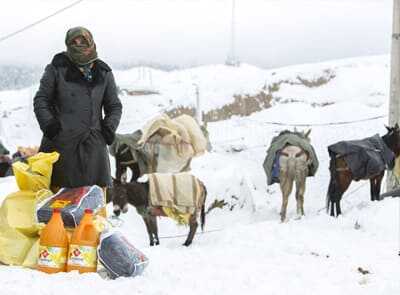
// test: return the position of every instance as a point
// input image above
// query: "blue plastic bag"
(119, 257)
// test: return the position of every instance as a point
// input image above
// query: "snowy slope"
(247, 250)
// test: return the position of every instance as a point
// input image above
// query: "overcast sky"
(270, 33)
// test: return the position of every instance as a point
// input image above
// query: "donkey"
(124, 160)
(137, 194)
(341, 176)
(293, 162)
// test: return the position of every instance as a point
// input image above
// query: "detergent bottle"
(53, 245)
(82, 255)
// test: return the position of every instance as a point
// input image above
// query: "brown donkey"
(360, 159)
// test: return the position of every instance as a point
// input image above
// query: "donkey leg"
(286, 176)
(378, 184)
(335, 204)
(147, 222)
(338, 209)
(286, 188)
(120, 171)
(300, 190)
(372, 188)
(135, 171)
(154, 226)
(375, 186)
(301, 175)
(192, 231)
(344, 181)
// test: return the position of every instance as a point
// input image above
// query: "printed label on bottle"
(85, 256)
(54, 257)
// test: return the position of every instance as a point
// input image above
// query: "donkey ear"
(388, 128)
(396, 127)
(307, 134)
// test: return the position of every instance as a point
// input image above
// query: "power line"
(318, 124)
(39, 21)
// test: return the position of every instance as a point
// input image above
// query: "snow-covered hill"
(250, 251)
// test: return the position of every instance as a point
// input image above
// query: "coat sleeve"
(43, 102)
(112, 110)
(112, 106)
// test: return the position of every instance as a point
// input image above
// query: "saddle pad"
(181, 191)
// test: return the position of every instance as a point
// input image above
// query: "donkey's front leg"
(192, 229)
(154, 229)
(147, 222)
(378, 184)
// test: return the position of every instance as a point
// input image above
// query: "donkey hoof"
(187, 244)
(157, 243)
(299, 216)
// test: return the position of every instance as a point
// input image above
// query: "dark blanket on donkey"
(365, 158)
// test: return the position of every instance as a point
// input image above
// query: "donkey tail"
(291, 167)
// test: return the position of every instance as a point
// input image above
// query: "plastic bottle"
(53, 245)
(82, 255)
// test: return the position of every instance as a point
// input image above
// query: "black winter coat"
(69, 110)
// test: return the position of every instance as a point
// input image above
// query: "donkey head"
(133, 193)
(120, 197)
(392, 139)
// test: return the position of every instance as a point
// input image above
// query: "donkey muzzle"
(117, 210)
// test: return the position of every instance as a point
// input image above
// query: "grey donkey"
(293, 162)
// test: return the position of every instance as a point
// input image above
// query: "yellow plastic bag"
(18, 228)
(14, 245)
(19, 210)
(32, 256)
(36, 175)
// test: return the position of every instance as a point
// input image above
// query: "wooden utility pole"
(394, 104)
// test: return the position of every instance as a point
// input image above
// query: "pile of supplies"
(65, 231)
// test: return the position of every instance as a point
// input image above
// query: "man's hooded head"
(81, 48)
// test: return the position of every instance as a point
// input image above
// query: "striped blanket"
(180, 191)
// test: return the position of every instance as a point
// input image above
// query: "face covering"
(81, 48)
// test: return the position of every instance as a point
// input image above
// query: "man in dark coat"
(74, 91)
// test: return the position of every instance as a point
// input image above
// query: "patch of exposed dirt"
(245, 105)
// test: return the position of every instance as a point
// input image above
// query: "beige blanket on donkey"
(174, 141)
(181, 191)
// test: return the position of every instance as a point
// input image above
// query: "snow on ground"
(247, 250)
